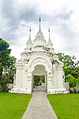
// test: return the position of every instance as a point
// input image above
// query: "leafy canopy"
(7, 65)
(4, 52)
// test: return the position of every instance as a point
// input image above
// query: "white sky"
(62, 16)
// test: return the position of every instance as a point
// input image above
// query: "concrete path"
(40, 88)
(39, 107)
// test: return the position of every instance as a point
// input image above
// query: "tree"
(74, 71)
(4, 56)
(70, 68)
(67, 60)
(69, 77)
(72, 81)
(11, 68)
(4, 52)
(69, 63)
(7, 67)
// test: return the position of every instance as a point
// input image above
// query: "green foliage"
(7, 65)
(11, 68)
(1, 69)
(42, 78)
(38, 80)
(69, 77)
(72, 81)
(11, 62)
(74, 71)
(67, 60)
(70, 68)
(4, 52)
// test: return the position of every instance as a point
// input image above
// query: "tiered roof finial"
(30, 33)
(29, 42)
(49, 40)
(49, 33)
(39, 23)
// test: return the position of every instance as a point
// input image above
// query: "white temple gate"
(39, 58)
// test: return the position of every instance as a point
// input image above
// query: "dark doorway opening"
(39, 84)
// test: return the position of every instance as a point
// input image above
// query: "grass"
(12, 106)
(66, 106)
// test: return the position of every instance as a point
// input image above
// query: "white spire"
(49, 33)
(30, 33)
(29, 40)
(29, 43)
(49, 41)
(39, 23)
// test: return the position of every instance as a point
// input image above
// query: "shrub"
(72, 81)
(69, 77)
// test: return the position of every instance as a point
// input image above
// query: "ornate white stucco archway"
(37, 61)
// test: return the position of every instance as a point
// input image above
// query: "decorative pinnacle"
(49, 30)
(30, 29)
(39, 23)
(30, 33)
(49, 33)
(39, 19)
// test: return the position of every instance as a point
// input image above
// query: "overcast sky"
(62, 16)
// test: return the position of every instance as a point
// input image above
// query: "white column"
(19, 76)
(49, 81)
(60, 77)
(29, 82)
(54, 76)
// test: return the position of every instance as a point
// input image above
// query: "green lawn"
(66, 106)
(12, 106)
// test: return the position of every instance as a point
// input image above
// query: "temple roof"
(39, 38)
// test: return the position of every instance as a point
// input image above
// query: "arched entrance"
(39, 79)
(39, 66)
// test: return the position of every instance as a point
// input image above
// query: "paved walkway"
(39, 107)
(39, 88)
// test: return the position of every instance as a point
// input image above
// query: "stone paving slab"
(40, 88)
(39, 107)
